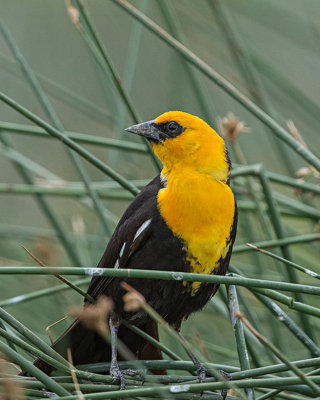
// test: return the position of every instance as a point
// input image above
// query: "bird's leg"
(115, 372)
(202, 371)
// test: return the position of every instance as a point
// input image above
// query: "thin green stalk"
(53, 117)
(285, 261)
(63, 94)
(22, 344)
(205, 102)
(224, 84)
(286, 180)
(30, 336)
(6, 148)
(64, 280)
(293, 367)
(70, 143)
(34, 371)
(239, 334)
(235, 372)
(178, 338)
(281, 79)
(30, 130)
(243, 248)
(254, 169)
(290, 324)
(129, 74)
(10, 344)
(166, 275)
(264, 220)
(280, 233)
(238, 50)
(114, 74)
(62, 365)
(253, 345)
(296, 205)
(280, 395)
(196, 387)
(289, 301)
(41, 293)
(44, 205)
(153, 341)
(71, 191)
(30, 232)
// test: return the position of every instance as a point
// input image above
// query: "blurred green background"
(270, 50)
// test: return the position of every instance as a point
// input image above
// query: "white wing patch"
(122, 249)
(142, 228)
(138, 233)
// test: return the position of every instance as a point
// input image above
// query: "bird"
(184, 220)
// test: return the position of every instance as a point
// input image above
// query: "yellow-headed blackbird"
(184, 220)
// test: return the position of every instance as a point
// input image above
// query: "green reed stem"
(70, 143)
(285, 261)
(22, 164)
(243, 248)
(53, 117)
(290, 324)
(101, 50)
(239, 334)
(41, 293)
(151, 340)
(293, 367)
(30, 130)
(166, 275)
(34, 371)
(224, 84)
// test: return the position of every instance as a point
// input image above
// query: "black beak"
(147, 129)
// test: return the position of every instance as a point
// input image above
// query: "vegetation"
(67, 172)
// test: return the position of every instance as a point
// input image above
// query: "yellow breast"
(198, 209)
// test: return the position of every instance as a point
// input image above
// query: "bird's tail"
(88, 347)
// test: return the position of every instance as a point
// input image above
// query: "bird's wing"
(224, 263)
(131, 233)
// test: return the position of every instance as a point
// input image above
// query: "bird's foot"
(202, 373)
(119, 375)
(227, 377)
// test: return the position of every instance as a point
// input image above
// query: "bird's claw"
(202, 373)
(119, 375)
(227, 377)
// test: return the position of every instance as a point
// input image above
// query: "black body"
(156, 248)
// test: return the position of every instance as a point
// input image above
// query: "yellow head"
(182, 140)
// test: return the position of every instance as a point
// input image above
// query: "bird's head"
(183, 140)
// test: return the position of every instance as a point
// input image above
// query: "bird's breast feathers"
(199, 210)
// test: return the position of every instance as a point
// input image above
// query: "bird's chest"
(199, 211)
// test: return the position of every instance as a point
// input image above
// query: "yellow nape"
(197, 204)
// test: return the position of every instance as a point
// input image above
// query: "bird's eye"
(173, 127)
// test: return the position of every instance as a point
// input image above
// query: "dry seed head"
(78, 224)
(50, 183)
(73, 13)
(95, 316)
(296, 134)
(302, 172)
(231, 127)
(133, 301)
